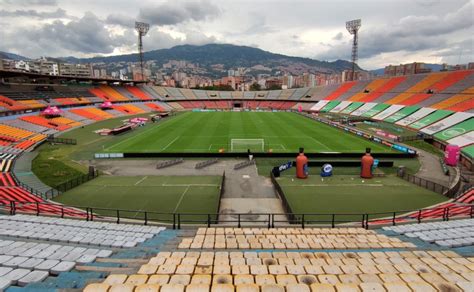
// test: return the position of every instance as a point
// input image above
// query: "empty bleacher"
(463, 96)
(297, 271)
(44, 122)
(35, 249)
(447, 234)
(289, 238)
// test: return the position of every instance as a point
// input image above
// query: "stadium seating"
(155, 107)
(447, 234)
(35, 249)
(73, 101)
(26, 202)
(14, 132)
(72, 231)
(466, 95)
(289, 238)
(136, 91)
(32, 103)
(341, 90)
(129, 109)
(10, 104)
(44, 122)
(295, 271)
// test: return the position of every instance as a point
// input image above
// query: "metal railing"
(427, 184)
(282, 197)
(68, 141)
(70, 184)
(268, 220)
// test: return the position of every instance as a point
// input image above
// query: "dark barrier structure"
(260, 154)
(176, 220)
(70, 184)
(281, 195)
(220, 196)
(429, 185)
(53, 139)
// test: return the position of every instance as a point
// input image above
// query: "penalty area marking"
(181, 199)
(170, 143)
(141, 180)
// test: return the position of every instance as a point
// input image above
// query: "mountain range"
(225, 55)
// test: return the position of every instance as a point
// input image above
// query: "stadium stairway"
(23, 172)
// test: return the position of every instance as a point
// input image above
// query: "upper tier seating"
(44, 122)
(465, 95)
(136, 91)
(10, 104)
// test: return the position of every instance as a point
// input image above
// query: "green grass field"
(210, 131)
(163, 194)
(349, 194)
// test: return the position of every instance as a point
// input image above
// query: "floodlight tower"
(353, 28)
(142, 29)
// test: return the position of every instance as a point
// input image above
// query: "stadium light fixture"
(352, 27)
(142, 29)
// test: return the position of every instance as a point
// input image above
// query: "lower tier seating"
(290, 238)
(297, 271)
(29, 203)
(73, 231)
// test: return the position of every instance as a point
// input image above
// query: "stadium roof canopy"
(29, 77)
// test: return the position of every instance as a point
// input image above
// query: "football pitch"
(161, 194)
(350, 194)
(211, 132)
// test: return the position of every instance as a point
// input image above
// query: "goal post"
(242, 145)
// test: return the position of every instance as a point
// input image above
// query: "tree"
(255, 87)
(274, 87)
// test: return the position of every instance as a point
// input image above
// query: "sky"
(392, 32)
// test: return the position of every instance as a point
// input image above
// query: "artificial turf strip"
(210, 131)
(349, 194)
(162, 194)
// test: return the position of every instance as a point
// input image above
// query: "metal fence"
(269, 220)
(52, 139)
(429, 185)
(220, 194)
(70, 184)
(284, 201)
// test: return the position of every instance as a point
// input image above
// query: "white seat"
(30, 263)
(4, 284)
(47, 265)
(62, 267)
(15, 275)
(15, 261)
(5, 270)
(33, 277)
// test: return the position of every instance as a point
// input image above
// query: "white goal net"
(242, 145)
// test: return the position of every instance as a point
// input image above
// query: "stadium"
(123, 185)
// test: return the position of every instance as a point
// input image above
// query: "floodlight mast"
(142, 29)
(353, 28)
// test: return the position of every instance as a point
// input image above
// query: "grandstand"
(135, 230)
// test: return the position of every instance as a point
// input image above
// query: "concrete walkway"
(22, 170)
(431, 169)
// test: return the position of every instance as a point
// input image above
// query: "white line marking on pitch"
(180, 199)
(138, 182)
(169, 144)
(189, 185)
